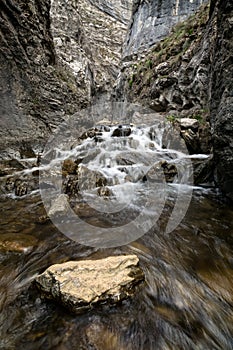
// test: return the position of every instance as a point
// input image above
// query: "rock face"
(88, 37)
(187, 74)
(173, 76)
(221, 98)
(80, 285)
(153, 19)
(36, 92)
(53, 59)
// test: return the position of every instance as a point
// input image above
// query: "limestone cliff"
(221, 92)
(152, 21)
(172, 77)
(36, 92)
(189, 74)
(54, 56)
(88, 37)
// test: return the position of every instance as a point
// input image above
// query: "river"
(186, 301)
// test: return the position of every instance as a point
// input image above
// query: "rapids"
(186, 254)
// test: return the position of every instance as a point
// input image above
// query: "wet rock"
(121, 131)
(8, 167)
(89, 179)
(9, 185)
(130, 158)
(79, 285)
(89, 134)
(98, 137)
(21, 187)
(105, 192)
(170, 171)
(60, 206)
(155, 174)
(70, 185)
(189, 123)
(162, 171)
(192, 141)
(85, 179)
(134, 175)
(172, 139)
(100, 337)
(69, 167)
(197, 136)
(203, 170)
(17, 243)
(86, 157)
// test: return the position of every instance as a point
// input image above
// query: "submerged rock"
(79, 285)
(17, 243)
(101, 337)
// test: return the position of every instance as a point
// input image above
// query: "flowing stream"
(186, 301)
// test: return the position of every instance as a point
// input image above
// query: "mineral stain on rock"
(80, 285)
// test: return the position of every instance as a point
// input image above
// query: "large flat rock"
(79, 285)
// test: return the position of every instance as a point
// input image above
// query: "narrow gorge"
(116, 187)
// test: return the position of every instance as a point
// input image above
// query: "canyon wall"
(189, 73)
(152, 21)
(221, 92)
(54, 57)
(172, 77)
(57, 57)
(88, 37)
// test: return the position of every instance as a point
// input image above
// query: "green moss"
(190, 31)
(131, 80)
(149, 64)
(171, 118)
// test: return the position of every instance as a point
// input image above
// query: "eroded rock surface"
(153, 19)
(54, 57)
(80, 285)
(221, 83)
(172, 78)
(36, 91)
(88, 37)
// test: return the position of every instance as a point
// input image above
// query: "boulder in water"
(69, 167)
(121, 131)
(105, 192)
(79, 285)
(60, 206)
